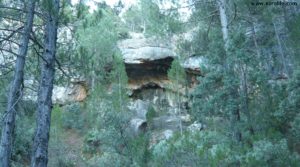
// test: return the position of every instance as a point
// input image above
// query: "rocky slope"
(147, 61)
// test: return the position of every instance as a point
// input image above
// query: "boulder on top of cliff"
(194, 63)
(140, 50)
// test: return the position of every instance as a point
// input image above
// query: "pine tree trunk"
(257, 49)
(120, 92)
(229, 71)
(40, 146)
(283, 59)
(246, 100)
(178, 100)
(224, 23)
(15, 93)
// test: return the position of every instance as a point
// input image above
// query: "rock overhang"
(147, 61)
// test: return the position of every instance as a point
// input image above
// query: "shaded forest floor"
(66, 150)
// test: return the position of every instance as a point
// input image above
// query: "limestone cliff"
(147, 61)
(155, 103)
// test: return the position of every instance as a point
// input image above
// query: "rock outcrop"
(192, 64)
(142, 50)
(155, 104)
(138, 125)
(73, 93)
(62, 95)
(147, 61)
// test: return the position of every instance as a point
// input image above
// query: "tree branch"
(9, 51)
(12, 34)
(35, 40)
(235, 15)
(60, 68)
(40, 55)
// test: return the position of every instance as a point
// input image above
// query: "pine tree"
(150, 20)
(40, 144)
(178, 76)
(16, 90)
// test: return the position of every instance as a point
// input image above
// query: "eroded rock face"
(155, 101)
(140, 108)
(138, 125)
(149, 72)
(74, 93)
(147, 61)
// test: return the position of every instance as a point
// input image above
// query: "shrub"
(192, 149)
(295, 133)
(72, 116)
(24, 130)
(267, 153)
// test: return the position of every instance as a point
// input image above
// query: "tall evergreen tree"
(178, 76)
(230, 83)
(16, 90)
(40, 146)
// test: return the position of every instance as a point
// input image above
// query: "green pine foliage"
(193, 149)
(268, 106)
(177, 73)
(97, 38)
(147, 18)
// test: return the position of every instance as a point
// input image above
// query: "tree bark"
(254, 36)
(246, 99)
(15, 93)
(224, 23)
(41, 139)
(283, 59)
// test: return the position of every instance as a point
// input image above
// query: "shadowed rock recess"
(147, 61)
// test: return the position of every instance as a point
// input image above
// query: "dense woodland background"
(247, 97)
